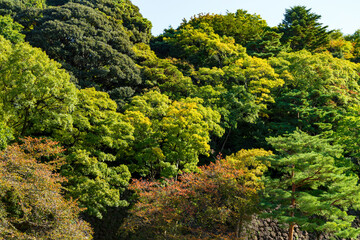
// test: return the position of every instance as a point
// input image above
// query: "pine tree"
(310, 188)
(302, 30)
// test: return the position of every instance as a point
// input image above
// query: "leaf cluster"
(212, 204)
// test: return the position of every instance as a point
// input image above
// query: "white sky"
(337, 14)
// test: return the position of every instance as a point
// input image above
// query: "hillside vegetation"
(190, 134)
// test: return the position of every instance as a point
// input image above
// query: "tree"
(33, 3)
(268, 45)
(311, 186)
(162, 74)
(340, 47)
(38, 99)
(200, 46)
(31, 203)
(215, 203)
(302, 30)
(97, 177)
(10, 30)
(347, 133)
(241, 25)
(35, 94)
(318, 90)
(94, 47)
(126, 14)
(169, 135)
(355, 40)
(256, 75)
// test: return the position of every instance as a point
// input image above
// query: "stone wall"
(267, 229)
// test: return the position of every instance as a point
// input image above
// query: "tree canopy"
(93, 40)
(31, 203)
(162, 110)
(241, 25)
(302, 30)
(169, 135)
(214, 203)
(36, 95)
(311, 190)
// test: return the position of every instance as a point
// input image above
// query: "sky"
(337, 14)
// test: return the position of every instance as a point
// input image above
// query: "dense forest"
(189, 134)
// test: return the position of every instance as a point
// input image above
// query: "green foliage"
(212, 204)
(239, 87)
(248, 30)
(6, 135)
(355, 40)
(347, 133)
(31, 204)
(126, 15)
(200, 46)
(256, 75)
(318, 89)
(96, 177)
(162, 73)
(33, 3)
(216, 73)
(36, 96)
(93, 47)
(240, 91)
(169, 135)
(268, 45)
(10, 30)
(29, 5)
(310, 189)
(241, 25)
(302, 30)
(38, 99)
(339, 47)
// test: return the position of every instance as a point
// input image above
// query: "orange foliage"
(212, 204)
(31, 204)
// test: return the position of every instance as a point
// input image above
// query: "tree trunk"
(293, 204)
(291, 231)
(177, 170)
(238, 228)
(226, 139)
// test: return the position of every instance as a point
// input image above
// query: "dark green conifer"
(302, 30)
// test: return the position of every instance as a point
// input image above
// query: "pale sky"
(337, 14)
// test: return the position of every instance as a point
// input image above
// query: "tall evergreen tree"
(309, 189)
(301, 28)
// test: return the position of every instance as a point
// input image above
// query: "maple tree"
(97, 177)
(31, 203)
(199, 46)
(169, 135)
(35, 94)
(241, 25)
(214, 203)
(10, 30)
